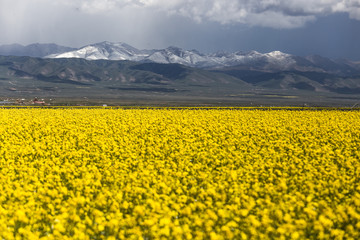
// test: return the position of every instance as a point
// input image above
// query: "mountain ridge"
(271, 61)
(274, 61)
(122, 51)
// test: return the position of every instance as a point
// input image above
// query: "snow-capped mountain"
(253, 60)
(276, 59)
(105, 50)
(180, 56)
(122, 51)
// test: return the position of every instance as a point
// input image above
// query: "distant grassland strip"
(102, 173)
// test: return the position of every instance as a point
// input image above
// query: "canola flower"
(179, 174)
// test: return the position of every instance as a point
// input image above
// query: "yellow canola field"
(179, 174)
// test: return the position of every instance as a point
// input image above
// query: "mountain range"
(272, 61)
(192, 58)
(118, 70)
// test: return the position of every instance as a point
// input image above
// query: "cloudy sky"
(327, 27)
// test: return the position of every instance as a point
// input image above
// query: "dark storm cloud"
(268, 13)
(20, 16)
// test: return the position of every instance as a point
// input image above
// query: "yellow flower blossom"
(184, 173)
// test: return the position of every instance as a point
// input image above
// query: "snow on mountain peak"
(278, 54)
(104, 50)
(281, 59)
(122, 51)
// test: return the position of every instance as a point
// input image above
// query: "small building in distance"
(39, 102)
